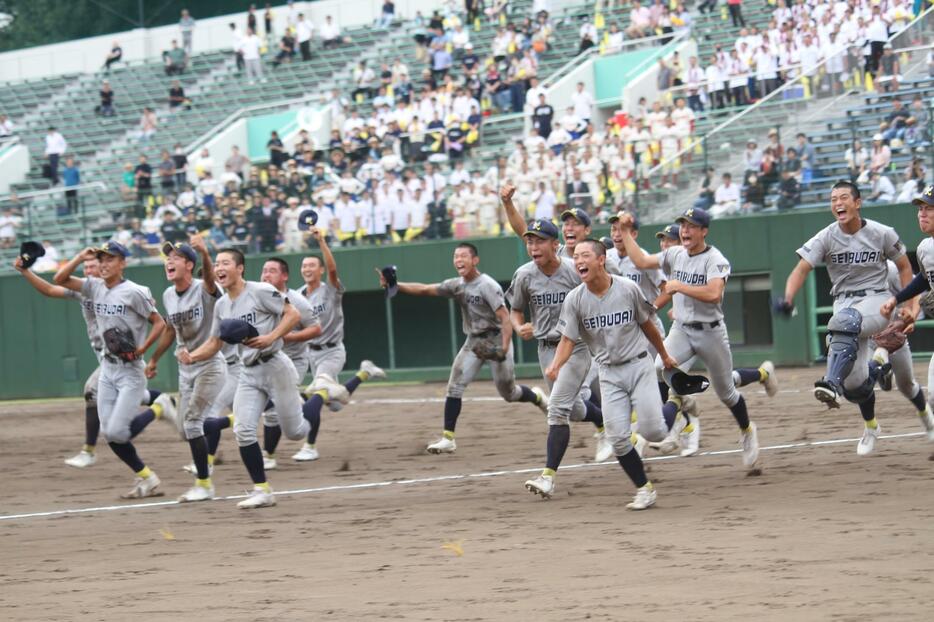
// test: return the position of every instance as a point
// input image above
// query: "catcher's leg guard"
(843, 338)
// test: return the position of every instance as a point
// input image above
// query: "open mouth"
(170, 271)
(221, 277)
(583, 271)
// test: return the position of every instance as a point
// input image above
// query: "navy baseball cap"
(185, 250)
(926, 198)
(615, 217)
(111, 247)
(542, 228)
(307, 219)
(607, 242)
(578, 214)
(672, 232)
(237, 331)
(695, 216)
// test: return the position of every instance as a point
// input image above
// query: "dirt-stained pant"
(626, 388)
(710, 345)
(120, 390)
(199, 386)
(466, 366)
(273, 380)
(225, 399)
(565, 402)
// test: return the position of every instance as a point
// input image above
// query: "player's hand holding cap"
(237, 331)
(185, 250)
(672, 232)
(307, 219)
(578, 214)
(391, 279)
(542, 228)
(685, 384)
(615, 217)
(29, 252)
(112, 247)
(695, 216)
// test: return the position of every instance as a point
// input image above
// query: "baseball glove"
(893, 336)
(120, 343)
(489, 350)
(927, 304)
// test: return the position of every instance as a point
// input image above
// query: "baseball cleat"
(640, 445)
(269, 463)
(671, 442)
(306, 454)
(690, 441)
(169, 413)
(144, 487)
(749, 440)
(826, 394)
(82, 460)
(542, 399)
(644, 499)
(543, 485)
(443, 446)
(191, 468)
(604, 447)
(927, 421)
(868, 442)
(197, 493)
(370, 368)
(881, 356)
(258, 498)
(336, 391)
(771, 379)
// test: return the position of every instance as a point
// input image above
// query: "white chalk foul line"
(434, 479)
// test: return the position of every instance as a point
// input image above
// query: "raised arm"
(412, 289)
(329, 262)
(41, 285)
(516, 221)
(207, 266)
(64, 275)
(796, 280)
(640, 258)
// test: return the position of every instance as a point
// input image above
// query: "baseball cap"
(695, 216)
(672, 232)
(927, 197)
(577, 213)
(111, 247)
(185, 250)
(236, 331)
(307, 219)
(542, 228)
(615, 217)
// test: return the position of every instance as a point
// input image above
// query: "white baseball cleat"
(771, 379)
(640, 445)
(604, 447)
(749, 440)
(336, 391)
(258, 498)
(443, 446)
(690, 441)
(82, 459)
(169, 413)
(191, 468)
(197, 493)
(543, 485)
(542, 399)
(868, 442)
(306, 454)
(644, 499)
(269, 462)
(927, 421)
(370, 368)
(671, 442)
(144, 487)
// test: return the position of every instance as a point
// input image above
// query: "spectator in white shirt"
(640, 21)
(292, 237)
(614, 39)
(250, 47)
(6, 126)
(330, 33)
(303, 33)
(55, 147)
(9, 222)
(881, 189)
(545, 201)
(726, 198)
(582, 103)
(348, 220)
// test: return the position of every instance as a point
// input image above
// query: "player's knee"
(193, 428)
(116, 432)
(557, 418)
(244, 432)
(90, 399)
(295, 428)
(578, 411)
(859, 393)
(622, 445)
(729, 395)
(456, 390)
(509, 391)
(270, 418)
(652, 427)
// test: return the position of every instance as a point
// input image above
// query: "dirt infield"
(821, 534)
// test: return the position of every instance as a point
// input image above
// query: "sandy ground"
(822, 534)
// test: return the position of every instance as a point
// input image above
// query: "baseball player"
(488, 329)
(266, 372)
(613, 318)
(909, 294)
(855, 251)
(542, 285)
(189, 311)
(698, 274)
(326, 351)
(123, 309)
(898, 365)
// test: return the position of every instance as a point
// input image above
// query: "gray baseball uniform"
(479, 299)
(297, 351)
(326, 352)
(925, 256)
(565, 251)
(649, 281)
(224, 402)
(96, 341)
(122, 384)
(856, 265)
(544, 296)
(266, 374)
(902, 368)
(699, 329)
(191, 314)
(610, 326)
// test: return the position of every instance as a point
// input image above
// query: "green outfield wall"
(45, 352)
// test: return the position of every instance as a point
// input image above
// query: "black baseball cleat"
(885, 377)
(825, 393)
